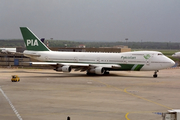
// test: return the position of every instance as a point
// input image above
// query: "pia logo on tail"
(32, 42)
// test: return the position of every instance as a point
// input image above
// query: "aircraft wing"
(31, 55)
(60, 64)
(90, 65)
(43, 63)
(76, 65)
(106, 65)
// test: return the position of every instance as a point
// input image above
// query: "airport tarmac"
(50, 95)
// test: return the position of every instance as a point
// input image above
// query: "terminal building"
(115, 49)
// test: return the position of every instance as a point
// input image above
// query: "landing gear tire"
(155, 74)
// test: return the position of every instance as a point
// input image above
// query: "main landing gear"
(106, 73)
(155, 74)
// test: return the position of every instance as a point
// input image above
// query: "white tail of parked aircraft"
(93, 63)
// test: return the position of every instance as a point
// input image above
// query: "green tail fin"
(32, 42)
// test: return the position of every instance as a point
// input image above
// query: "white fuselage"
(176, 55)
(8, 50)
(138, 61)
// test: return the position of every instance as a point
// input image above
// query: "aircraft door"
(148, 62)
(98, 60)
(46, 58)
(148, 58)
(75, 59)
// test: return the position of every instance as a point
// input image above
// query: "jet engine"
(63, 69)
(97, 70)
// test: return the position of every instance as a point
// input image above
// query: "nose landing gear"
(155, 74)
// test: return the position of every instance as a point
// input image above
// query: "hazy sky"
(92, 20)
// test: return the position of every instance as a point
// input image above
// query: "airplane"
(176, 55)
(8, 50)
(93, 62)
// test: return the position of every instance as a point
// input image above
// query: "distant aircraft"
(91, 62)
(8, 50)
(176, 55)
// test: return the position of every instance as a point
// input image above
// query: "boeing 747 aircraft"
(93, 63)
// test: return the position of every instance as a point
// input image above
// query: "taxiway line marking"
(146, 99)
(126, 116)
(110, 86)
(12, 106)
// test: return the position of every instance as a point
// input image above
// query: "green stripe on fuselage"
(133, 67)
(138, 67)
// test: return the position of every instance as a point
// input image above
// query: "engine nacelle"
(64, 69)
(97, 70)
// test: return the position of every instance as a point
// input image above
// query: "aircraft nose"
(172, 63)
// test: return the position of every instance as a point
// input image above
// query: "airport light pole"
(126, 40)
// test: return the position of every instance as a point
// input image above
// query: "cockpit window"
(160, 54)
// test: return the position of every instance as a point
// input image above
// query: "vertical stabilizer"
(31, 41)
